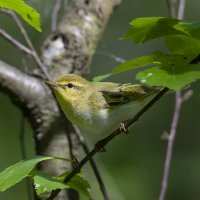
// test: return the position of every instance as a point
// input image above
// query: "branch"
(178, 104)
(20, 26)
(171, 8)
(115, 58)
(170, 138)
(70, 48)
(106, 140)
(16, 43)
(31, 50)
(31, 95)
(54, 16)
(181, 9)
(93, 164)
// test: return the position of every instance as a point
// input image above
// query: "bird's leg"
(123, 128)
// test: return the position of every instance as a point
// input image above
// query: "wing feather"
(126, 93)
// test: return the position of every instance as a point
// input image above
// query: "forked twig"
(31, 50)
(16, 43)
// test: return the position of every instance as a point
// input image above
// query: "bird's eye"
(70, 85)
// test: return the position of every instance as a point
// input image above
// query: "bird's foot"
(99, 147)
(123, 128)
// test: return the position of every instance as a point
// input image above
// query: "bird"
(98, 108)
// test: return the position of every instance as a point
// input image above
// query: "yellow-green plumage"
(99, 108)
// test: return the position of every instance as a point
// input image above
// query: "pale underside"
(108, 120)
(98, 112)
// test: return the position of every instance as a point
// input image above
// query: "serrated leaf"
(173, 77)
(45, 183)
(171, 59)
(29, 14)
(128, 65)
(15, 173)
(145, 29)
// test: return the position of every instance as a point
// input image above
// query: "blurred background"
(132, 166)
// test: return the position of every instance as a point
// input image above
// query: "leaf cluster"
(43, 182)
(173, 69)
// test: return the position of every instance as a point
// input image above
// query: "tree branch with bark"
(69, 49)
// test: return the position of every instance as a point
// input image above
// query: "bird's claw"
(123, 128)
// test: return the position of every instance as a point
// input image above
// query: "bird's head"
(69, 87)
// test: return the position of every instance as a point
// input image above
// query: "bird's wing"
(126, 93)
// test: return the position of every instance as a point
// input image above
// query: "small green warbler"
(98, 108)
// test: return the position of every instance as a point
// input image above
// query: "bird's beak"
(51, 84)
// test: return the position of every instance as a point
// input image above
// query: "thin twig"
(178, 103)
(171, 137)
(20, 26)
(42, 66)
(31, 50)
(70, 146)
(106, 140)
(181, 9)
(171, 8)
(113, 56)
(16, 43)
(93, 164)
(21, 137)
(54, 16)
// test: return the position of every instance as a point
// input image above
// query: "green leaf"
(173, 77)
(145, 29)
(183, 45)
(171, 59)
(192, 28)
(101, 77)
(134, 63)
(29, 14)
(80, 184)
(128, 65)
(15, 173)
(45, 183)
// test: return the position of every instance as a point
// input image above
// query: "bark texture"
(68, 50)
